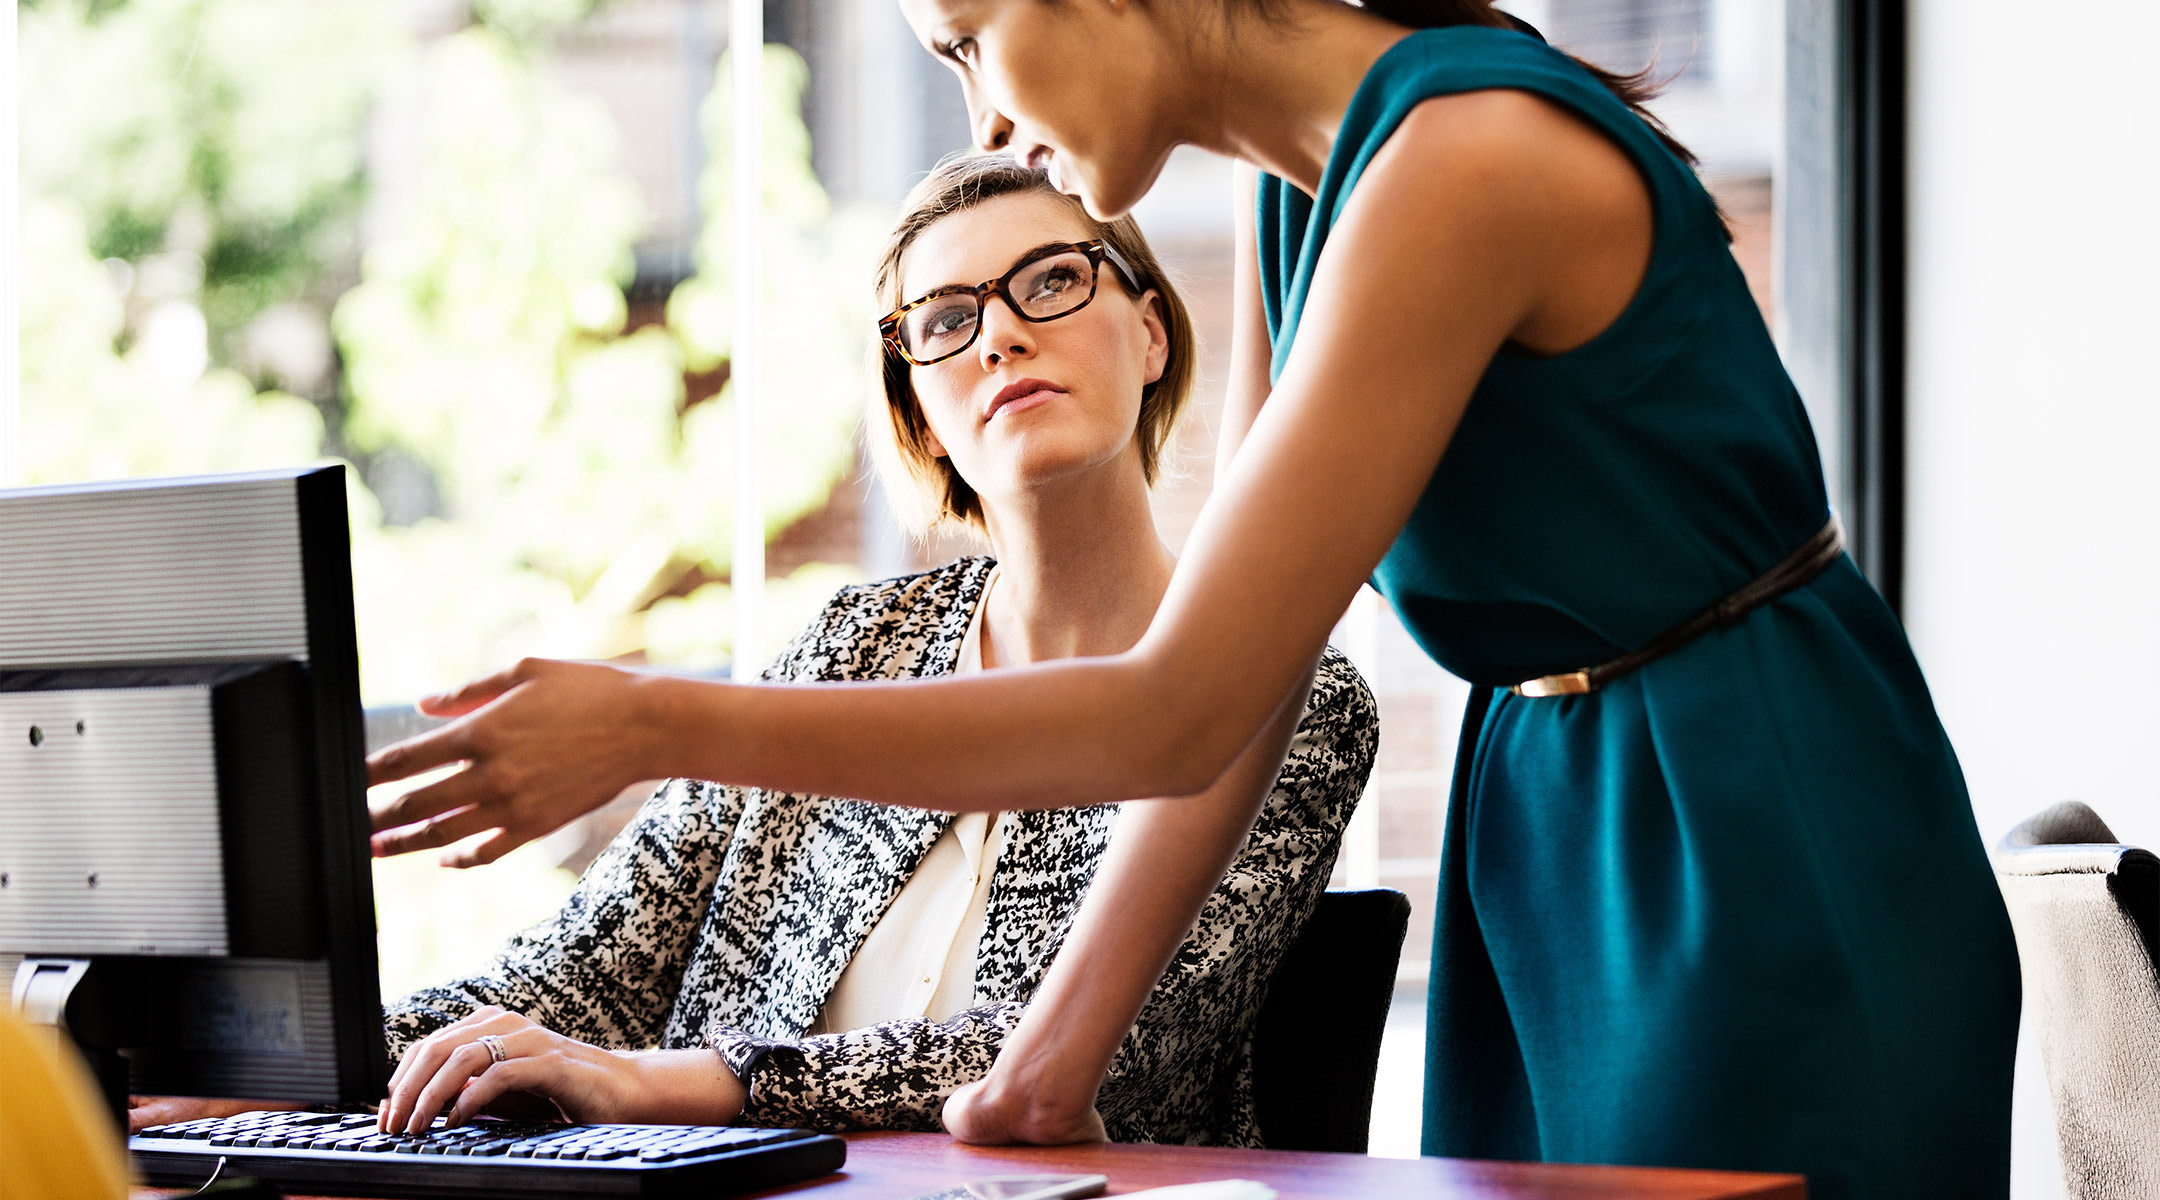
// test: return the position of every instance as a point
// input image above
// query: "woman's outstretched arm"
(1468, 229)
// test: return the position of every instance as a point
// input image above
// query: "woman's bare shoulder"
(1556, 198)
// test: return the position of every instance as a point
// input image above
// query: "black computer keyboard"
(341, 1154)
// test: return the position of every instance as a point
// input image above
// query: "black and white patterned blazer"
(722, 917)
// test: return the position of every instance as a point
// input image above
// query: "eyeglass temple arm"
(1124, 269)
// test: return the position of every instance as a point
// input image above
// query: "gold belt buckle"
(1574, 683)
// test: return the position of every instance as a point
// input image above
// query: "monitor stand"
(64, 995)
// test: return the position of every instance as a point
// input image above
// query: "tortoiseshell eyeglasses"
(1047, 283)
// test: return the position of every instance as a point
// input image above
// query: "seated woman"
(852, 964)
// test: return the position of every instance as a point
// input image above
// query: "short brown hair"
(928, 491)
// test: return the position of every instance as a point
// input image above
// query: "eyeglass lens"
(1047, 287)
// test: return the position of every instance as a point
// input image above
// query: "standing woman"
(1712, 894)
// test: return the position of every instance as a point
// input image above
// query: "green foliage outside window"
(266, 232)
(196, 181)
(185, 169)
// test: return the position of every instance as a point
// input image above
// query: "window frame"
(10, 263)
(1841, 279)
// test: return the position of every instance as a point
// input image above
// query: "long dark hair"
(1635, 90)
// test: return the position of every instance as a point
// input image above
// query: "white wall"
(2033, 570)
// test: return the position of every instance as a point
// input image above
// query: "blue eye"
(1055, 281)
(934, 326)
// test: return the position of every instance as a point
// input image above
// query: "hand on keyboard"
(492, 1060)
(145, 1111)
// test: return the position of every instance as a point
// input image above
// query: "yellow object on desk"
(57, 1142)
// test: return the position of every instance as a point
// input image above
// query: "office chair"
(1316, 1045)
(2087, 914)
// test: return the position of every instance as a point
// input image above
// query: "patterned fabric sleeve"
(1186, 1054)
(1169, 1069)
(892, 1075)
(606, 967)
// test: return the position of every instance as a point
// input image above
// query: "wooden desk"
(895, 1166)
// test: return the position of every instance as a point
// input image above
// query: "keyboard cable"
(214, 1173)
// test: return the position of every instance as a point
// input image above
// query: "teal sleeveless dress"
(1731, 910)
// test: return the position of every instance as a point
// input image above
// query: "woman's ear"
(1158, 350)
(932, 444)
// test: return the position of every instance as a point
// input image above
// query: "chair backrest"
(1316, 1045)
(2087, 914)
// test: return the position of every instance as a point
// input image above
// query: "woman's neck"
(1081, 570)
(1273, 92)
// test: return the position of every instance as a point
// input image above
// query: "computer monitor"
(184, 874)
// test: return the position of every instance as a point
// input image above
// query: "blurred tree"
(193, 176)
(582, 490)
(223, 135)
(193, 180)
(815, 335)
(192, 190)
(188, 170)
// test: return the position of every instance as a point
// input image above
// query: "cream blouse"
(919, 959)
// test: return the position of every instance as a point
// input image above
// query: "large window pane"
(478, 252)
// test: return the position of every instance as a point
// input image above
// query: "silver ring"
(495, 1050)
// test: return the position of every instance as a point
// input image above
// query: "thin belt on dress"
(1802, 565)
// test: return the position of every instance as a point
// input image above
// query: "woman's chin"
(1050, 471)
(1105, 208)
(1113, 193)
(1104, 199)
